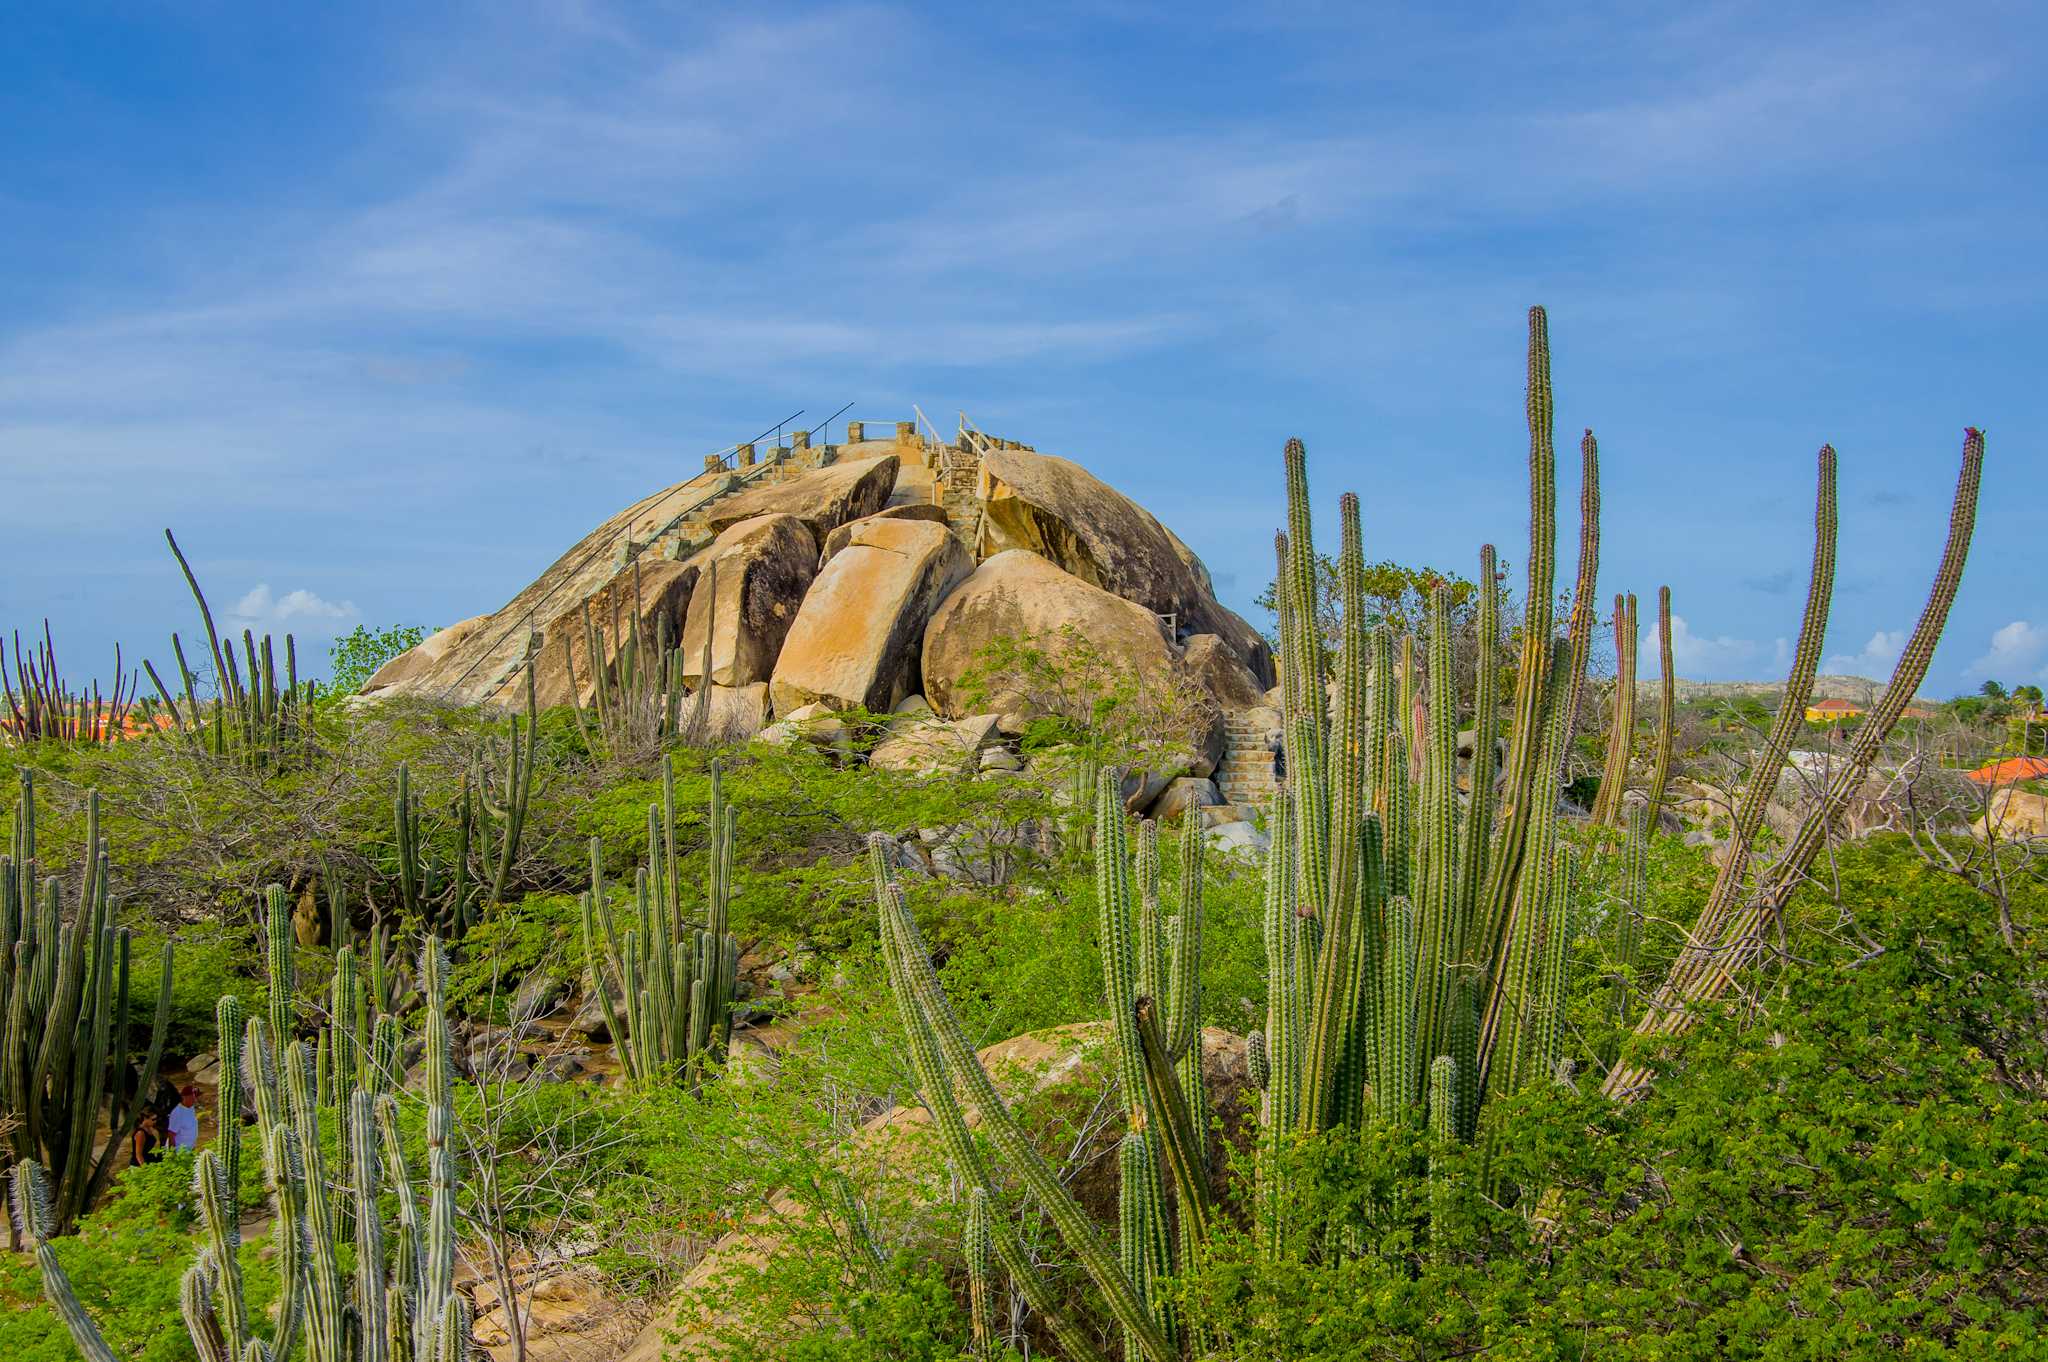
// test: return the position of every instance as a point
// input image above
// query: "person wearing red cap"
(184, 1123)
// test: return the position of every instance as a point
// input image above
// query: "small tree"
(358, 654)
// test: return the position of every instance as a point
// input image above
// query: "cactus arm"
(1667, 709)
(1012, 1141)
(977, 1247)
(159, 1032)
(36, 1219)
(1532, 684)
(1704, 940)
(1584, 616)
(1177, 1137)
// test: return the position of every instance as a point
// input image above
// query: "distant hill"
(1857, 689)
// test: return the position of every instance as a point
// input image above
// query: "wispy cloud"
(260, 606)
(1875, 658)
(2018, 650)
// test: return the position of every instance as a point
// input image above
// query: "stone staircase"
(1249, 774)
(960, 496)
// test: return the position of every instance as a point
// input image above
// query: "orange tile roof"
(2011, 769)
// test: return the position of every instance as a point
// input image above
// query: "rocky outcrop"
(933, 746)
(754, 580)
(1059, 509)
(823, 499)
(916, 510)
(1214, 666)
(434, 661)
(1053, 1079)
(654, 595)
(733, 713)
(1022, 596)
(858, 638)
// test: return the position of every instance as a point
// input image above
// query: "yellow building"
(1832, 711)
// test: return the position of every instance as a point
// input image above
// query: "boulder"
(754, 579)
(934, 745)
(2015, 814)
(734, 715)
(1214, 666)
(1182, 794)
(1057, 508)
(916, 510)
(652, 593)
(1238, 837)
(858, 636)
(422, 667)
(1022, 596)
(824, 499)
(538, 995)
(814, 723)
(1053, 1079)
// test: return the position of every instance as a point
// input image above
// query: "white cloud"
(1877, 658)
(261, 606)
(2017, 650)
(1700, 658)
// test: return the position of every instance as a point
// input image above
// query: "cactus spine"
(65, 1018)
(672, 1016)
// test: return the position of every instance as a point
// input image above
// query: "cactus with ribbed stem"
(978, 1247)
(1667, 709)
(254, 719)
(672, 1016)
(1584, 616)
(396, 1301)
(1730, 928)
(945, 1057)
(65, 1018)
(1443, 1133)
(1621, 730)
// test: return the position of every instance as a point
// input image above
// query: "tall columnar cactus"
(1621, 730)
(1584, 614)
(394, 1301)
(1667, 709)
(978, 1247)
(948, 1070)
(65, 1019)
(254, 719)
(505, 803)
(675, 978)
(1730, 929)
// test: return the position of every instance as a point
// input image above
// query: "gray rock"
(1238, 837)
(1182, 794)
(539, 995)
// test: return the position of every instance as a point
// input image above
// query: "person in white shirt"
(184, 1122)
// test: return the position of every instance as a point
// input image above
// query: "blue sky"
(382, 306)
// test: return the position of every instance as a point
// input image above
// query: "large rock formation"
(912, 510)
(1059, 509)
(824, 500)
(1021, 596)
(857, 640)
(754, 579)
(652, 596)
(846, 575)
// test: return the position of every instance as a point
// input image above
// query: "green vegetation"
(355, 657)
(807, 1059)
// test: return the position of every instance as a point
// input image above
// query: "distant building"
(2011, 770)
(1832, 711)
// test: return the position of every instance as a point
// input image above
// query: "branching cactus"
(395, 1300)
(65, 1019)
(675, 978)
